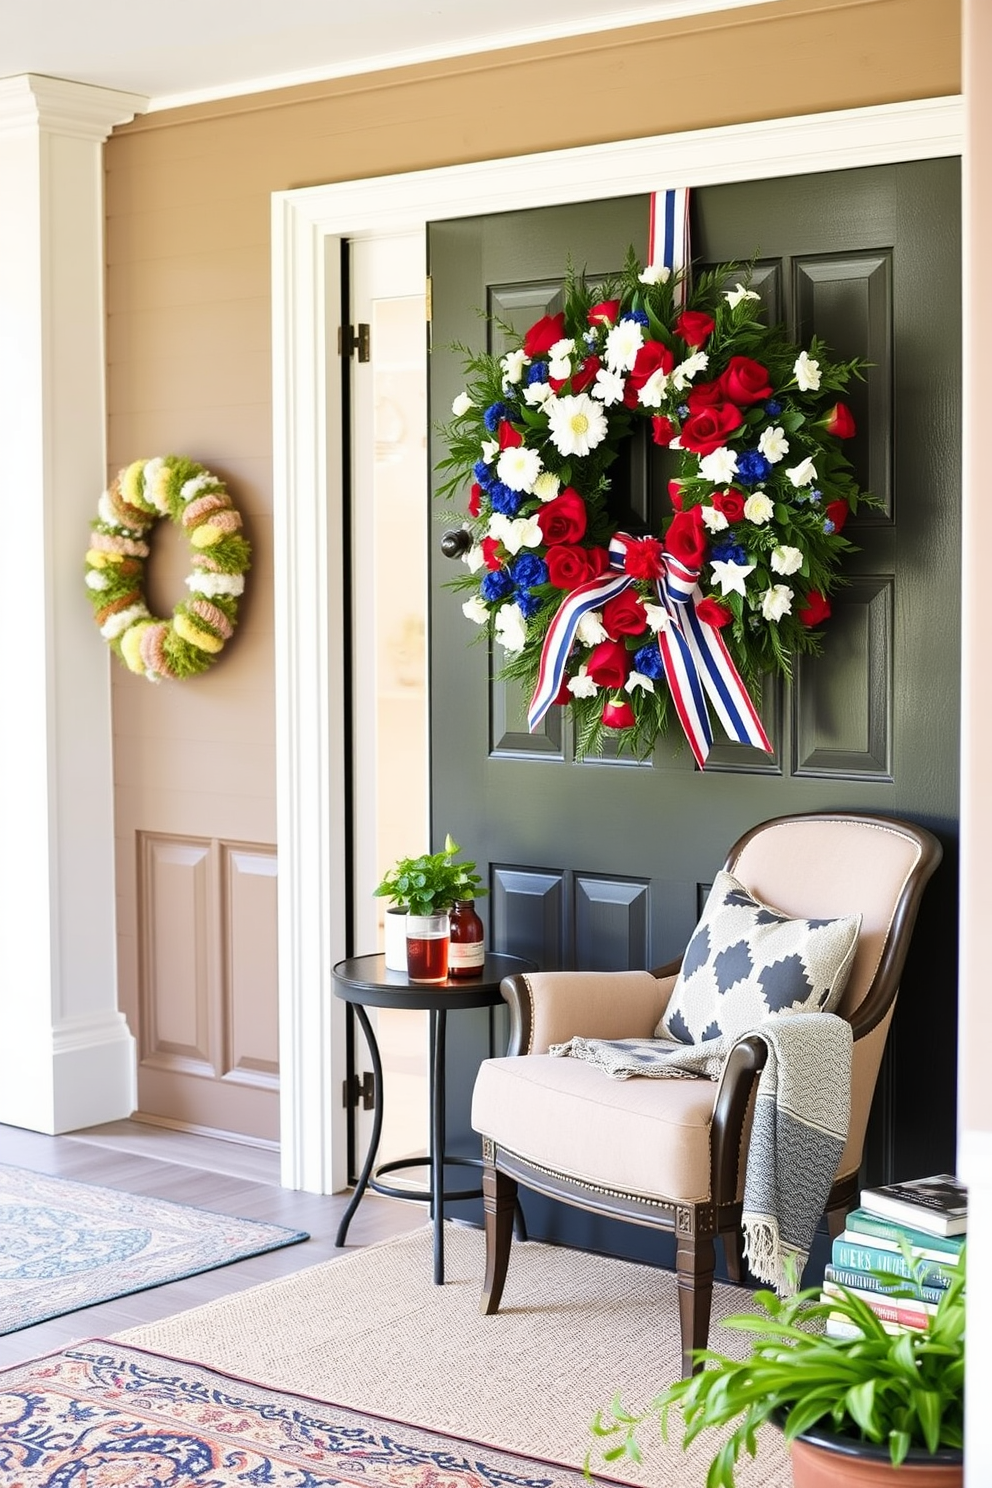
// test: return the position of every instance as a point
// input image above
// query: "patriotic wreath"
(617, 624)
(198, 502)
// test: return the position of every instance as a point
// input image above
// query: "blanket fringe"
(768, 1259)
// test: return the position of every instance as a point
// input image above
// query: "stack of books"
(930, 1215)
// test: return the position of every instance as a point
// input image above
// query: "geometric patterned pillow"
(747, 962)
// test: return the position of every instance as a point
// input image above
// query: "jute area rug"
(371, 1331)
(67, 1245)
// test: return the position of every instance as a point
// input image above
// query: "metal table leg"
(363, 1177)
(438, 1018)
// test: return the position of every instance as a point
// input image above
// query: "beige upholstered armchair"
(670, 1153)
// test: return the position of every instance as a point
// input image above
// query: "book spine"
(902, 1313)
(945, 1248)
(838, 1326)
(859, 1281)
(925, 1215)
(864, 1258)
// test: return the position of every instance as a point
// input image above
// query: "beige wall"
(189, 309)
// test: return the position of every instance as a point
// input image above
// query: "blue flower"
(528, 570)
(728, 552)
(494, 415)
(503, 499)
(483, 474)
(683, 410)
(537, 372)
(648, 662)
(828, 526)
(816, 497)
(496, 586)
(527, 603)
(641, 316)
(752, 467)
(772, 408)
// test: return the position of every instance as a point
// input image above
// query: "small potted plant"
(876, 1407)
(424, 890)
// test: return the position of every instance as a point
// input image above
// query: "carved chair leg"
(499, 1197)
(733, 1255)
(694, 1261)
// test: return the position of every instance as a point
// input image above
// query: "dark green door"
(603, 863)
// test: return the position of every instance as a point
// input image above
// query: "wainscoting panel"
(251, 1023)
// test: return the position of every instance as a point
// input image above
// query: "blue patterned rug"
(100, 1414)
(66, 1245)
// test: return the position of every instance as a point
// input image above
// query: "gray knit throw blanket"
(800, 1124)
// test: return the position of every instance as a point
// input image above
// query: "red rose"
(508, 436)
(663, 431)
(490, 553)
(675, 494)
(745, 381)
(816, 609)
(686, 537)
(712, 612)
(599, 561)
(695, 327)
(563, 520)
(704, 396)
(651, 357)
(544, 333)
(618, 714)
(624, 615)
(731, 503)
(586, 374)
(608, 664)
(838, 512)
(840, 422)
(475, 499)
(568, 566)
(605, 313)
(643, 558)
(707, 430)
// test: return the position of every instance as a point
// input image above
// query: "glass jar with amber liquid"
(466, 948)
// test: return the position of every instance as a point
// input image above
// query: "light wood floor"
(202, 1171)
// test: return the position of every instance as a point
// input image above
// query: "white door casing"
(309, 226)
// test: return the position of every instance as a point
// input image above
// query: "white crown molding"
(308, 228)
(32, 102)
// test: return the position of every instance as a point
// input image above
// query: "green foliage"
(901, 1390)
(431, 883)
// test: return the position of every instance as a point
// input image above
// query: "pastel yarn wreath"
(197, 502)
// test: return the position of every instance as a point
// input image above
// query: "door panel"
(604, 862)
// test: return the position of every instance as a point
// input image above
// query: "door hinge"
(359, 1090)
(352, 339)
(429, 299)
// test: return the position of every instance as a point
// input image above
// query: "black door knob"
(456, 542)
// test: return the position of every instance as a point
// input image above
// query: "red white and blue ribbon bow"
(696, 660)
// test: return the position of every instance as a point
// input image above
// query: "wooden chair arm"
(551, 1007)
(740, 1074)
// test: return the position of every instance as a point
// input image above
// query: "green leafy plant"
(431, 883)
(903, 1389)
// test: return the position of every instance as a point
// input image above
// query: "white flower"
(759, 509)
(473, 559)
(807, 373)
(96, 580)
(511, 627)
(582, 685)
(776, 602)
(461, 405)
(720, 467)
(123, 620)
(519, 468)
(656, 616)
(516, 533)
(560, 368)
(713, 520)
(773, 444)
(803, 473)
(212, 584)
(655, 274)
(547, 486)
(106, 512)
(623, 342)
(591, 630)
(561, 350)
(686, 371)
(476, 610)
(198, 484)
(608, 387)
(638, 679)
(490, 448)
(786, 560)
(652, 394)
(536, 393)
(731, 576)
(734, 296)
(576, 424)
(155, 478)
(513, 365)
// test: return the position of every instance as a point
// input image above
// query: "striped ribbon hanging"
(668, 234)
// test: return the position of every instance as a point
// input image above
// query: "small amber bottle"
(466, 949)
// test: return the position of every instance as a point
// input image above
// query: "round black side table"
(364, 981)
